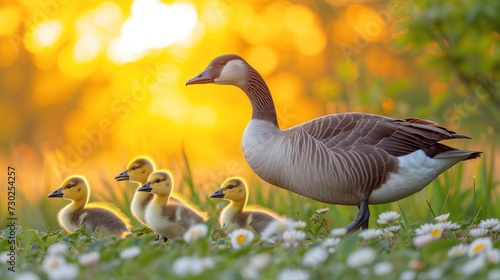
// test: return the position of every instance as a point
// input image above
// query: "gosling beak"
(204, 77)
(218, 194)
(145, 188)
(122, 176)
(56, 193)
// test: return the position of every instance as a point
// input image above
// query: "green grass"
(468, 199)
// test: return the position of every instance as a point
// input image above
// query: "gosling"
(102, 217)
(237, 214)
(167, 217)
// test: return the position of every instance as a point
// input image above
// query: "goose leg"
(362, 219)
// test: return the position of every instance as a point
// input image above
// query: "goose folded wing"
(397, 137)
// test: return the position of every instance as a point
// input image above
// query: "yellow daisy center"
(436, 232)
(479, 248)
(241, 239)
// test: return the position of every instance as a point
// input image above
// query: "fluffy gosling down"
(138, 170)
(348, 158)
(170, 218)
(238, 214)
(102, 217)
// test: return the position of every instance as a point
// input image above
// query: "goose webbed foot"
(362, 219)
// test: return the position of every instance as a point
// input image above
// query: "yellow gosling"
(237, 214)
(103, 217)
(138, 170)
(165, 216)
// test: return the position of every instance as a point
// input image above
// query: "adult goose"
(348, 158)
(238, 214)
(103, 217)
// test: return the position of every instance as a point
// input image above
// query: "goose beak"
(56, 193)
(122, 176)
(145, 188)
(218, 194)
(204, 77)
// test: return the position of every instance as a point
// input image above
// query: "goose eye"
(68, 186)
(230, 187)
(134, 167)
(222, 63)
(157, 180)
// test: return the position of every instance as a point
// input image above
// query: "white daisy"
(474, 265)
(437, 231)
(330, 244)
(315, 257)
(479, 245)
(434, 273)
(442, 218)
(292, 238)
(382, 268)
(493, 256)
(338, 232)
(449, 225)
(57, 269)
(361, 257)
(195, 232)
(457, 250)
(478, 232)
(322, 210)
(370, 234)
(131, 252)
(388, 217)
(241, 237)
(297, 225)
(490, 224)
(293, 274)
(89, 258)
(274, 230)
(28, 275)
(494, 274)
(58, 249)
(393, 229)
(256, 264)
(422, 240)
(424, 229)
(186, 265)
(408, 275)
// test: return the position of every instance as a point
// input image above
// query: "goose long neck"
(262, 102)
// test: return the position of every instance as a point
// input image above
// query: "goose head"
(74, 188)
(228, 69)
(138, 170)
(233, 189)
(159, 183)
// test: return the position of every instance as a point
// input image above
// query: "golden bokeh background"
(88, 85)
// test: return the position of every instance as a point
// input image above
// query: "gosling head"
(233, 188)
(228, 69)
(73, 188)
(138, 170)
(159, 183)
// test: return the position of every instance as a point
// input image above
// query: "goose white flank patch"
(238, 214)
(96, 216)
(347, 158)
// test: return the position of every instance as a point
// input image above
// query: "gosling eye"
(68, 186)
(157, 180)
(231, 187)
(134, 167)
